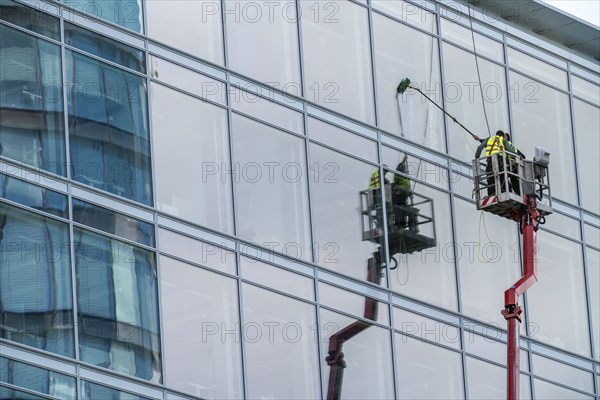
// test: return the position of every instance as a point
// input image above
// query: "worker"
(401, 194)
(492, 145)
(514, 165)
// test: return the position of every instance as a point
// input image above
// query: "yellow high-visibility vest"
(375, 181)
(494, 144)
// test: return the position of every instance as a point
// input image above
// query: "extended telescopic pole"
(405, 84)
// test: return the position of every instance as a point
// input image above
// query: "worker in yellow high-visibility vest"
(492, 145)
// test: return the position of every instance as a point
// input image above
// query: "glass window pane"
(118, 306)
(586, 90)
(487, 347)
(464, 102)
(277, 278)
(93, 391)
(409, 115)
(272, 183)
(462, 36)
(353, 303)
(416, 167)
(33, 196)
(547, 391)
(562, 373)
(193, 130)
(8, 393)
(487, 381)
(408, 12)
(197, 251)
(112, 222)
(426, 328)
(36, 378)
(31, 106)
(426, 371)
(30, 18)
(342, 139)
(337, 183)
(281, 350)
(188, 80)
(539, 111)
(562, 224)
(538, 69)
(593, 267)
(126, 13)
(190, 26)
(108, 129)
(368, 357)
(588, 143)
(592, 235)
(104, 47)
(340, 80)
(489, 261)
(562, 272)
(262, 42)
(201, 329)
(35, 281)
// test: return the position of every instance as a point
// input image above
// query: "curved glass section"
(31, 105)
(36, 299)
(108, 129)
(117, 306)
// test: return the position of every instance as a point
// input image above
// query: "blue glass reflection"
(35, 378)
(33, 196)
(36, 306)
(31, 110)
(118, 306)
(112, 222)
(126, 13)
(30, 18)
(93, 391)
(108, 128)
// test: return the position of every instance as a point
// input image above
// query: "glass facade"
(211, 200)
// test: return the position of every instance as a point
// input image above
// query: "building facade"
(183, 189)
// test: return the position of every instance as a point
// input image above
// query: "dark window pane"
(36, 378)
(112, 222)
(104, 47)
(7, 393)
(31, 108)
(118, 306)
(35, 281)
(30, 18)
(33, 196)
(93, 391)
(126, 13)
(108, 128)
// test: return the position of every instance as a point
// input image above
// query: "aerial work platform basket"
(503, 181)
(409, 216)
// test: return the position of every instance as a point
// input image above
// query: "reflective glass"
(36, 299)
(188, 80)
(342, 139)
(31, 106)
(539, 111)
(108, 128)
(588, 142)
(489, 261)
(368, 357)
(272, 182)
(112, 222)
(409, 13)
(487, 381)
(354, 303)
(548, 391)
(93, 391)
(280, 347)
(340, 80)
(35, 378)
(201, 331)
(30, 18)
(421, 242)
(592, 235)
(33, 196)
(426, 371)
(190, 26)
(562, 373)
(416, 167)
(125, 13)
(104, 47)
(562, 272)
(8, 393)
(462, 36)
(262, 42)
(192, 130)
(567, 226)
(117, 306)
(593, 268)
(538, 69)
(277, 278)
(491, 349)
(197, 251)
(464, 101)
(344, 240)
(426, 328)
(586, 90)
(408, 115)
